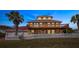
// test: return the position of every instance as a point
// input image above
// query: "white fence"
(40, 36)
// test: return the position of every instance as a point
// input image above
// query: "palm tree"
(75, 19)
(16, 18)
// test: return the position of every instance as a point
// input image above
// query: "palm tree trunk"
(78, 25)
(16, 32)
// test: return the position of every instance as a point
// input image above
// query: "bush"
(2, 34)
(69, 30)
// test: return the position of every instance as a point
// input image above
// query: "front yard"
(41, 43)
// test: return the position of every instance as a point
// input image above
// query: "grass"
(41, 43)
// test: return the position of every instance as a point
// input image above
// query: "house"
(46, 25)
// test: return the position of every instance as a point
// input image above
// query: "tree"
(16, 18)
(75, 19)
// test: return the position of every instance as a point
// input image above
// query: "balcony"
(50, 26)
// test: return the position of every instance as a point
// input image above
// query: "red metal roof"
(22, 28)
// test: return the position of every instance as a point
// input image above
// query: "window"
(49, 18)
(57, 23)
(36, 24)
(44, 18)
(39, 18)
(48, 23)
(32, 31)
(52, 23)
(40, 23)
(30, 24)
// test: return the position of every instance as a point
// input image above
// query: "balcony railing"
(46, 26)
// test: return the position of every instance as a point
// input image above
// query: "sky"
(61, 15)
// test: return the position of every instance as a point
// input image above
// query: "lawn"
(41, 43)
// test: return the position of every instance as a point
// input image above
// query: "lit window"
(39, 18)
(57, 26)
(48, 23)
(36, 24)
(40, 23)
(52, 23)
(32, 31)
(44, 18)
(49, 18)
(30, 23)
(57, 23)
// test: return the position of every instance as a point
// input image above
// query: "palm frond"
(77, 16)
(73, 19)
(15, 17)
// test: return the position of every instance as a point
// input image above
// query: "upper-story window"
(48, 23)
(36, 24)
(49, 18)
(57, 23)
(44, 18)
(39, 18)
(52, 23)
(30, 24)
(40, 23)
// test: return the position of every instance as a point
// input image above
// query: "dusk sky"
(62, 15)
